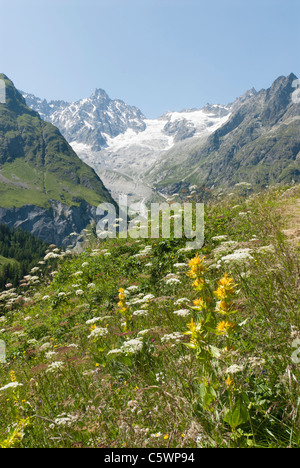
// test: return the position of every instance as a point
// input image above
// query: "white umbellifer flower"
(140, 313)
(91, 285)
(142, 300)
(172, 281)
(148, 297)
(182, 312)
(132, 288)
(57, 365)
(33, 341)
(115, 351)
(45, 298)
(51, 255)
(34, 270)
(45, 346)
(65, 420)
(132, 346)
(176, 336)
(11, 385)
(219, 238)
(182, 300)
(85, 264)
(180, 265)
(237, 256)
(234, 369)
(98, 332)
(79, 292)
(93, 320)
(143, 332)
(78, 273)
(50, 354)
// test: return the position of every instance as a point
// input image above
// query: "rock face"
(259, 144)
(45, 188)
(89, 121)
(53, 225)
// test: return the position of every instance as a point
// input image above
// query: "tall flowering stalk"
(206, 326)
(199, 329)
(123, 307)
(224, 307)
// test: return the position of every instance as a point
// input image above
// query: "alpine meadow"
(149, 265)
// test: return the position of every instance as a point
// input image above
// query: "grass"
(96, 356)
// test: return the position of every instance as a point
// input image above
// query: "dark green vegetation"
(37, 164)
(19, 252)
(93, 365)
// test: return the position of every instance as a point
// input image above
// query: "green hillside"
(139, 343)
(36, 162)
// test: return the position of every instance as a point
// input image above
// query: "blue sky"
(159, 55)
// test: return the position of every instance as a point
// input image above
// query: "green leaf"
(237, 415)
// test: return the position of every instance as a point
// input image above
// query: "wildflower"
(219, 238)
(93, 320)
(223, 307)
(237, 256)
(225, 327)
(57, 365)
(176, 336)
(132, 346)
(78, 273)
(98, 332)
(180, 265)
(50, 354)
(140, 313)
(51, 255)
(197, 268)
(182, 300)
(229, 381)
(172, 281)
(200, 304)
(79, 292)
(132, 288)
(158, 434)
(226, 287)
(65, 420)
(45, 346)
(234, 369)
(182, 312)
(115, 351)
(11, 385)
(195, 332)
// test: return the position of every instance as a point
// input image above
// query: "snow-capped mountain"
(90, 121)
(119, 142)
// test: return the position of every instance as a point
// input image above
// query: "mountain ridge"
(39, 170)
(160, 153)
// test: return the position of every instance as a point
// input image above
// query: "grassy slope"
(36, 162)
(5, 261)
(157, 397)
